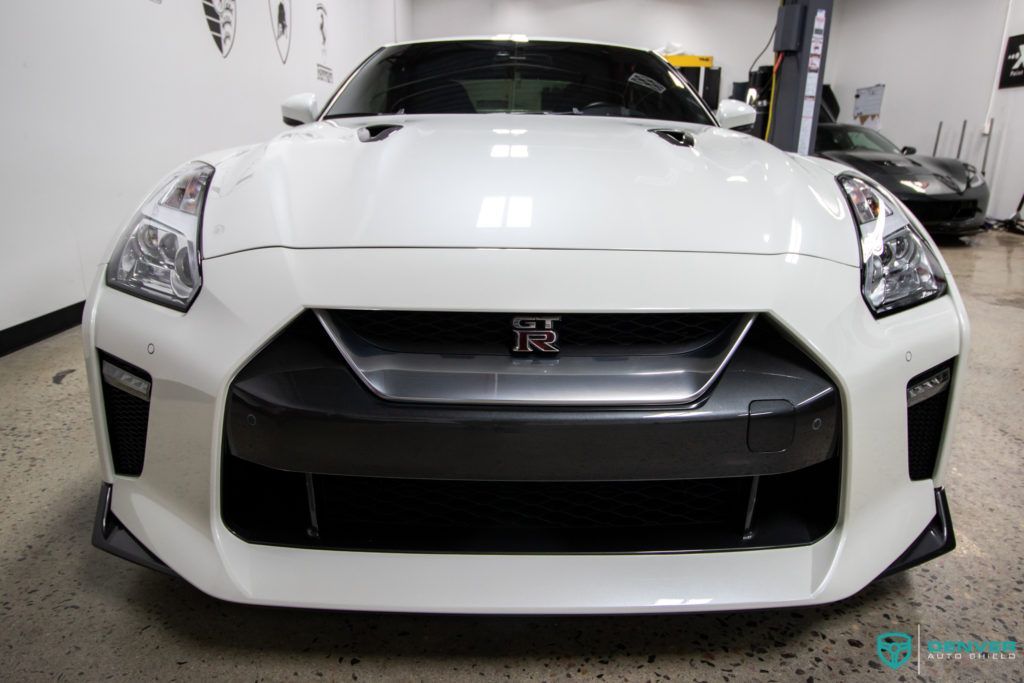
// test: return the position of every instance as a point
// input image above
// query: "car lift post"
(801, 36)
(938, 134)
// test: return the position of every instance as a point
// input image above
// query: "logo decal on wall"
(220, 17)
(321, 17)
(323, 72)
(281, 22)
(1012, 74)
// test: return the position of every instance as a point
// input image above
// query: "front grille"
(940, 211)
(127, 422)
(490, 333)
(313, 459)
(926, 422)
(265, 505)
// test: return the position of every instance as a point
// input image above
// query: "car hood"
(890, 169)
(523, 182)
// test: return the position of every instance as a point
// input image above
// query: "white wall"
(103, 97)
(733, 31)
(937, 59)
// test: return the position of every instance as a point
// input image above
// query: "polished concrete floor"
(71, 612)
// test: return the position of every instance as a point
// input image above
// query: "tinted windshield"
(852, 139)
(486, 76)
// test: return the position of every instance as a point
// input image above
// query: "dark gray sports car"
(948, 196)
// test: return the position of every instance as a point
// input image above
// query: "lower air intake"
(264, 505)
(926, 421)
(127, 417)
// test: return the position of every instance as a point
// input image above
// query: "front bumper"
(110, 536)
(174, 508)
(951, 214)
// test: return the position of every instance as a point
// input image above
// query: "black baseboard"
(37, 329)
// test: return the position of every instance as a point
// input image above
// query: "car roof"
(519, 38)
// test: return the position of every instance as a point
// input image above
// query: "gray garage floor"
(69, 611)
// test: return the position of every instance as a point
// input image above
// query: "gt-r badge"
(535, 334)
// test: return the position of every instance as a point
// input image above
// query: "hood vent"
(680, 138)
(375, 133)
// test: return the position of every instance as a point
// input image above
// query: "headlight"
(922, 186)
(157, 257)
(899, 269)
(973, 177)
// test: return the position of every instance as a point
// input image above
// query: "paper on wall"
(867, 106)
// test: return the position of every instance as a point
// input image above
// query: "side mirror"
(735, 114)
(907, 151)
(299, 109)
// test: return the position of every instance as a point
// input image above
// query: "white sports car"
(519, 325)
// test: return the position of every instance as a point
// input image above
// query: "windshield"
(852, 139)
(488, 76)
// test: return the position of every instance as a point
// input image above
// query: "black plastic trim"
(377, 133)
(936, 539)
(110, 535)
(321, 419)
(38, 329)
(679, 138)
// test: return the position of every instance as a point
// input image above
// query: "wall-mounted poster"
(1012, 75)
(867, 106)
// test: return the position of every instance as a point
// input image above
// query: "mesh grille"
(447, 332)
(943, 211)
(527, 505)
(264, 505)
(127, 422)
(925, 424)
